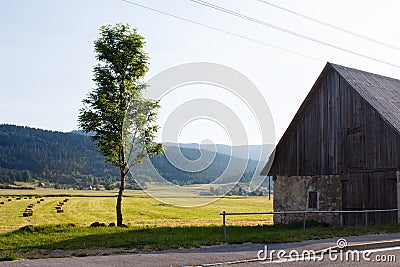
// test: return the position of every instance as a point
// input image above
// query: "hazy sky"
(46, 52)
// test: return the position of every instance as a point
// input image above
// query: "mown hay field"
(84, 208)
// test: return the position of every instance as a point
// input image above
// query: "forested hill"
(71, 158)
(65, 158)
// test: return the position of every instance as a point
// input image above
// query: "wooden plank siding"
(336, 131)
(369, 191)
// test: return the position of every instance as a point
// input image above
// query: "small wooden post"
(224, 225)
(366, 218)
(304, 221)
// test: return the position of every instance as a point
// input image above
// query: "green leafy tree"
(121, 119)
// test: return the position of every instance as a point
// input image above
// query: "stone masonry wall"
(291, 194)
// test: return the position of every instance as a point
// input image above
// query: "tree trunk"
(119, 199)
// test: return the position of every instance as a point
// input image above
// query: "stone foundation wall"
(291, 194)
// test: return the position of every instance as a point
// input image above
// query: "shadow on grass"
(70, 237)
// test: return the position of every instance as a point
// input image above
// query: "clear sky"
(46, 51)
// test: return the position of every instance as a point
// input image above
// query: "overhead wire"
(329, 25)
(223, 31)
(266, 24)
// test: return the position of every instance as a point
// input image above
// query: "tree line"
(28, 154)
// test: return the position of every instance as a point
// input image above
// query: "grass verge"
(27, 241)
(8, 256)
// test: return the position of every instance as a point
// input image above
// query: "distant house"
(87, 187)
(342, 150)
(100, 187)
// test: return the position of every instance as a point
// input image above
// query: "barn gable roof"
(380, 92)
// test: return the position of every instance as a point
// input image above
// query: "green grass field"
(152, 225)
(69, 240)
(84, 208)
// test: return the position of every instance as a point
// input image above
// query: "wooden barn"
(342, 150)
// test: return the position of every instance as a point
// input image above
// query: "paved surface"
(227, 255)
(376, 258)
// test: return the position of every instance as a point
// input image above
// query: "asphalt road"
(389, 257)
(235, 255)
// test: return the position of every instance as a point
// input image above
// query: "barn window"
(312, 200)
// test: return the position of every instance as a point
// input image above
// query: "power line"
(265, 24)
(330, 25)
(223, 31)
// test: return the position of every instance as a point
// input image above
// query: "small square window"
(312, 200)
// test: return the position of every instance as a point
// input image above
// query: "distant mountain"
(65, 158)
(252, 152)
(71, 158)
(215, 165)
